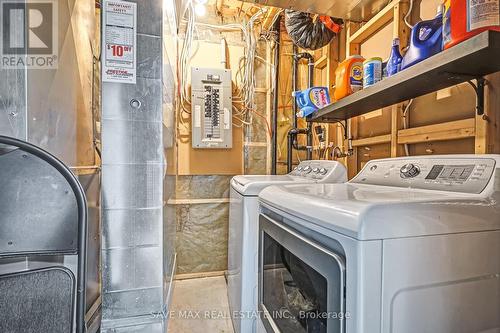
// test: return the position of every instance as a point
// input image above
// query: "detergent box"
(311, 99)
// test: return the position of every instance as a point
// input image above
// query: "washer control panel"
(321, 171)
(444, 173)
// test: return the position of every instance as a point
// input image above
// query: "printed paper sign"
(119, 42)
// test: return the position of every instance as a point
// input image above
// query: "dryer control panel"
(321, 171)
(441, 173)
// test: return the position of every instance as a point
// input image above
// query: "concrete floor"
(200, 306)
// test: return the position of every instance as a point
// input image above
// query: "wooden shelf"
(471, 59)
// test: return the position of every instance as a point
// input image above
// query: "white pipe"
(406, 124)
(408, 15)
(223, 53)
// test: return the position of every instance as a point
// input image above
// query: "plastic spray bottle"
(394, 62)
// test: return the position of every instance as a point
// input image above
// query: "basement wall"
(203, 175)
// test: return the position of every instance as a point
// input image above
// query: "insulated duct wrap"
(306, 32)
(136, 262)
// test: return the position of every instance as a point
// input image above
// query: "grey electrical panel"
(211, 103)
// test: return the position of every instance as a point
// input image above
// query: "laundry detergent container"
(426, 40)
(464, 19)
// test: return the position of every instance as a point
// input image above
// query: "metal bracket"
(479, 89)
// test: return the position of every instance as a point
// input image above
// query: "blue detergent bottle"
(394, 63)
(311, 99)
(426, 40)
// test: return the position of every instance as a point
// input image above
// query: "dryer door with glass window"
(301, 283)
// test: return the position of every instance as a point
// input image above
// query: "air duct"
(308, 32)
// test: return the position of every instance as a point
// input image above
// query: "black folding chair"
(43, 239)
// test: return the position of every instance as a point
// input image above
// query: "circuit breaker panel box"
(211, 113)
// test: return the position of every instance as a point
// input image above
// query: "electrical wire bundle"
(185, 57)
(244, 99)
(247, 71)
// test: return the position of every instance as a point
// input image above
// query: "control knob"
(409, 170)
(316, 170)
(323, 171)
(307, 169)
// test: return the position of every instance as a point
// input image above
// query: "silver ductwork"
(13, 115)
(359, 10)
(137, 252)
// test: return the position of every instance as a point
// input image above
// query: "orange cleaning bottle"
(463, 19)
(349, 77)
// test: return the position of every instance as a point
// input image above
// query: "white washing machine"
(243, 231)
(410, 245)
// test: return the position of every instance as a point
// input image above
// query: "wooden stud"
(86, 170)
(337, 52)
(481, 131)
(269, 106)
(197, 201)
(452, 130)
(189, 276)
(487, 139)
(271, 13)
(256, 144)
(493, 112)
(401, 31)
(332, 63)
(396, 125)
(374, 140)
(352, 48)
(322, 62)
(352, 161)
(377, 22)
